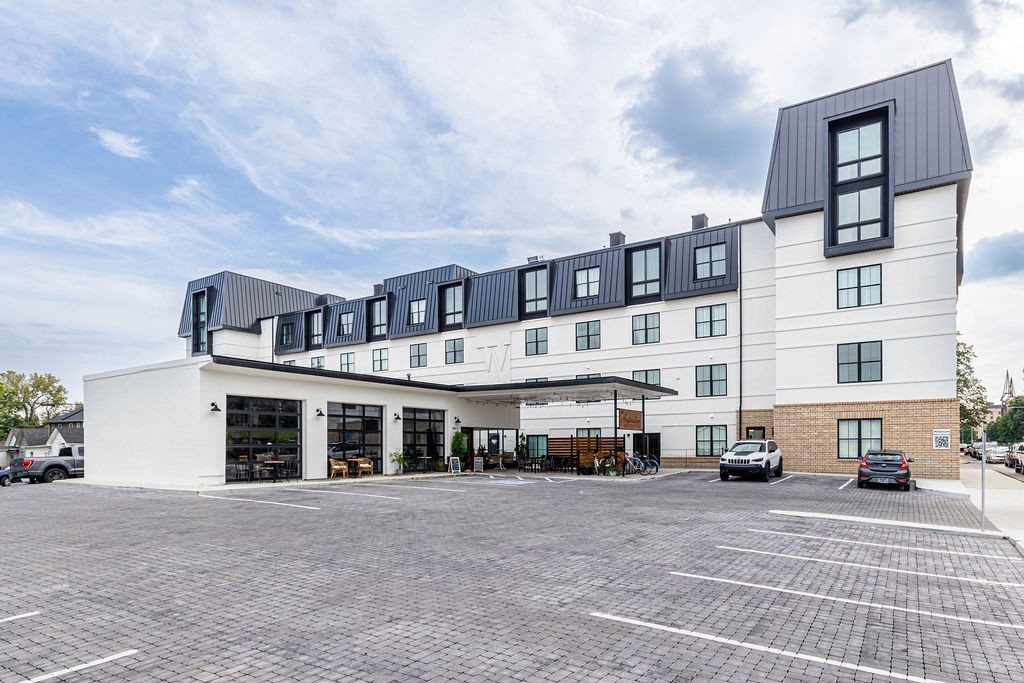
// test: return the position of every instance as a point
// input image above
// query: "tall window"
(451, 303)
(345, 324)
(645, 271)
(537, 341)
(711, 380)
(860, 362)
(588, 335)
(711, 440)
(647, 328)
(261, 428)
(380, 360)
(453, 351)
(348, 362)
(647, 376)
(588, 282)
(587, 432)
(287, 334)
(417, 311)
(378, 319)
(199, 322)
(537, 447)
(316, 362)
(535, 292)
(423, 437)
(710, 261)
(856, 437)
(417, 355)
(314, 329)
(710, 321)
(859, 286)
(858, 180)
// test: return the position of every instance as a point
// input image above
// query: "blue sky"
(327, 146)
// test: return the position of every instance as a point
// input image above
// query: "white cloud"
(120, 144)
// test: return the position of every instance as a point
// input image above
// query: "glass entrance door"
(355, 431)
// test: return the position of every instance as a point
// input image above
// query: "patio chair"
(337, 467)
(363, 466)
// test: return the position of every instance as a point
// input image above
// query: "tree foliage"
(969, 389)
(1010, 427)
(31, 399)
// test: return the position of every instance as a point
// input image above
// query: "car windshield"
(747, 447)
(884, 457)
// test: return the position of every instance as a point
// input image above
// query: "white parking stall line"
(850, 601)
(80, 667)
(413, 486)
(848, 482)
(263, 502)
(764, 648)
(712, 481)
(885, 545)
(781, 480)
(872, 566)
(18, 616)
(344, 493)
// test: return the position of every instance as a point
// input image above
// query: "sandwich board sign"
(455, 465)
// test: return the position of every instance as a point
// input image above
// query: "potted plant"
(400, 460)
(459, 447)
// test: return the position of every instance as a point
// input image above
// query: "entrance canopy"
(512, 393)
(589, 389)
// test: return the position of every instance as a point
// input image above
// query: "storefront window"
(262, 430)
(423, 438)
(354, 431)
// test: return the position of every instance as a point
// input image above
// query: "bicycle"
(649, 461)
(634, 464)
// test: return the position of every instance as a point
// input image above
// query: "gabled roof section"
(68, 434)
(76, 415)
(929, 140)
(22, 436)
(238, 302)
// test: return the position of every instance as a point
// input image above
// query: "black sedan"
(884, 467)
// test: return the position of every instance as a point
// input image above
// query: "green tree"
(36, 398)
(9, 414)
(1008, 428)
(969, 389)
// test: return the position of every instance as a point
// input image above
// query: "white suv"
(762, 458)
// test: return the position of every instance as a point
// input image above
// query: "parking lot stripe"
(264, 502)
(879, 521)
(712, 481)
(884, 545)
(850, 601)
(19, 616)
(872, 566)
(780, 480)
(413, 486)
(80, 667)
(344, 493)
(848, 482)
(764, 648)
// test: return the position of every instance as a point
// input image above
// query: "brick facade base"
(809, 434)
(756, 418)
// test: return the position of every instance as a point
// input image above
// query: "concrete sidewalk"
(1004, 494)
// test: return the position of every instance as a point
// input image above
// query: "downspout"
(739, 289)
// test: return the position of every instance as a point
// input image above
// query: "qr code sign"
(940, 439)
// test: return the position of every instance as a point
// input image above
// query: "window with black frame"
(860, 286)
(537, 341)
(858, 180)
(711, 380)
(345, 324)
(355, 431)
(423, 438)
(588, 282)
(417, 311)
(860, 362)
(709, 261)
(588, 335)
(378, 319)
(534, 295)
(314, 329)
(199, 322)
(418, 355)
(645, 272)
(263, 438)
(451, 307)
(454, 350)
(711, 440)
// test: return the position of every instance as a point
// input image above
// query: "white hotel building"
(827, 323)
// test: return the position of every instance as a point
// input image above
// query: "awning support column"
(643, 423)
(615, 430)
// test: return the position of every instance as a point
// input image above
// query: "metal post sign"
(632, 420)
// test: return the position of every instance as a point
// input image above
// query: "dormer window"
(314, 330)
(199, 322)
(378, 319)
(451, 306)
(534, 288)
(588, 282)
(859, 184)
(645, 273)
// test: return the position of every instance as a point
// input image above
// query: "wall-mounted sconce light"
(398, 417)
(214, 408)
(320, 413)
(457, 420)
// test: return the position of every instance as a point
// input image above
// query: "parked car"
(761, 458)
(996, 454)
(1011, 457)
(5, 476)
(69, 462)
(884, 467)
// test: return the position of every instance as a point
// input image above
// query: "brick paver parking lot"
(476, 578)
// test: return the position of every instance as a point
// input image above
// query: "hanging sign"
(632, 420)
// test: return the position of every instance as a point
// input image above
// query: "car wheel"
(778, 470)
(724, 476)
(767, 473)
(905, 487)
(55, 474)
(5, 481)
